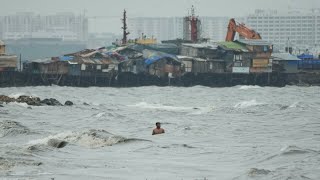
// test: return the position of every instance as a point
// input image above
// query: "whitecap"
(16, 95)
(90, 138)
(246, 104)
(161, 107)
(249, 87)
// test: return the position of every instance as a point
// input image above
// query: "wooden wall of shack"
(8, 62)
(197, 65)
(53, 68)
(200, 52)
(165, 67)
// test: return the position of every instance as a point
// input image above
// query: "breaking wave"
(162, 107)
(246, 104)
(16, 95)
(91, 138)
(293, 150)
(12, 128)
(249, 87)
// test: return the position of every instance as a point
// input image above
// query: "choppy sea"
(234, 133)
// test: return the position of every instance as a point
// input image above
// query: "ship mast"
(125, 28)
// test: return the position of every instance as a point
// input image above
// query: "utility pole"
(125, 27)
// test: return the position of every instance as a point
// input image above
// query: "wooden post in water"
(20, 63)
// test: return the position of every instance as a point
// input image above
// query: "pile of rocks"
(33, 101)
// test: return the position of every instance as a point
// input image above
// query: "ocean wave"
(249, 87)
(16, 95)
(246, 104)
(202, 110)
(9, 163)
(12, 128)
(91, 138)
(21, 104)
(293, 150)
(162, 107)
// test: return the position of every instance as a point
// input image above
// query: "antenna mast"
(125, 28)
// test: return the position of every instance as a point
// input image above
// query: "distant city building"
(97, 40)
(161, 28)
(300, 30)
(65, 26)
(214, 28)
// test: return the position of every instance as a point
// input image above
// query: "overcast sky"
(138, 8)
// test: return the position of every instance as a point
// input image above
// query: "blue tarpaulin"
(153, 59)
(153, 56)
(66, 58)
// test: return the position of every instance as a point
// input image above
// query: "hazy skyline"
(108, 12)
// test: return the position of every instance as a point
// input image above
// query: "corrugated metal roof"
(284, 57)
(188, 58)
(235, 46)
(254, 42)
(1, 43)
(204, 45)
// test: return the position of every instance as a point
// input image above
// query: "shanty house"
(236, 57)
(2, 47)
(245, 56)
(198, 65)
(161, 64)
(285, 63)
(260, 54)
(204, 51)
(134, 66)
(7, 62)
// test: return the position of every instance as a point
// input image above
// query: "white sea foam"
(19, 104)
(246, 104)
(249, 87)
(90, 138)
(294, 105)
(16, 95)
(161, 107)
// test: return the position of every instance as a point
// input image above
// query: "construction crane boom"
(242, 29)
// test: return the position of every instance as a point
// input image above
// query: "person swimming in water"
(158, 129)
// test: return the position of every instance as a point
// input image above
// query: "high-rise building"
(65, 26)
(214, 28)
(300, 30)
(161, 28)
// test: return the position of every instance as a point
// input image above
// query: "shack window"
(83, 67)
(237, 57)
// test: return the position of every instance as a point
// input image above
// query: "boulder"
(51, 102)
(33, 101)
(30, 100)
(68, 103)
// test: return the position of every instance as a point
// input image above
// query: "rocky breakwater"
(33, 101)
